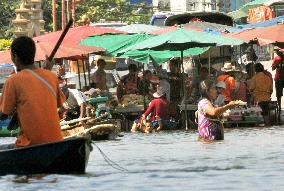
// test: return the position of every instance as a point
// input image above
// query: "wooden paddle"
(14, 120)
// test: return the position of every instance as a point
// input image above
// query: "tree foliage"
(7, 14)
(113, 10)
(5, 44)
(92, 10)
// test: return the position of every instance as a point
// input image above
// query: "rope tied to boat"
(109, 161)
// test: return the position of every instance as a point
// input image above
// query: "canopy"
(243, 11)
(138, 28)
(76, 34)
(182, 39)
(44, 49)
(266, 35)
(159, 57)
(114, 43)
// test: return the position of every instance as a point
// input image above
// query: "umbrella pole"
(183, 89)
(209, 64)
(88, 68)
(84, 70)
(79, 75)
(144, 89)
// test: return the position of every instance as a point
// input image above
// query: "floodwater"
(248, 159)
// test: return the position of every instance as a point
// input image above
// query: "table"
(251, 123)
(129, 114)
(190, 108)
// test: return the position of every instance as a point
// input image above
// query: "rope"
(109, 161)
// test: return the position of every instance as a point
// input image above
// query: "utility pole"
(54, 16)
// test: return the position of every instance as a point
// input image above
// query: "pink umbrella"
(76, 34)
(44, 49)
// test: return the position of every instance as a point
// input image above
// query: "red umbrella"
(76, 34)
(45, 48)
(265, 35)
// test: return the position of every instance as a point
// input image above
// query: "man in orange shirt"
(261, 86)
(34, 93)
(229, 81)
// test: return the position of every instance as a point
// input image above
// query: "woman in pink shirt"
(209, 127)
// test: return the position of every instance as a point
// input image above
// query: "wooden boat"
(102, 130)
(65, 157)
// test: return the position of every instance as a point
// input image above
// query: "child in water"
(147, 127)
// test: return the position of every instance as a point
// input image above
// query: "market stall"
(130, 108)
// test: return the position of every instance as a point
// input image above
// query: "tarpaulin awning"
(271, 22)
(266, 35)
(243, 11)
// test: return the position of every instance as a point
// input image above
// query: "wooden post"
(73, 11)
(68, 9)
(84, 70)
(79, 75)
(63, 15)
(54, 16)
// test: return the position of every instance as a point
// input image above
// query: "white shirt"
(75, 99)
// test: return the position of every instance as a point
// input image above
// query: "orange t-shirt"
(36, 106)
(230, 86)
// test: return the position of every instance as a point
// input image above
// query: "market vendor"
(144, 85)
(74, 105)
(164, 84)
(278, 65)
(220, 100)
(128, 83)
(175, 80)
(159, 110)
(99, 80)
(230, 81)
(203, 75)
(261, 87)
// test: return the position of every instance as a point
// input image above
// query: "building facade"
(161, 5)
(195, 5)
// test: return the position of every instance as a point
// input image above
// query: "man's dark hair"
(24, 47)
(258, 67)
(147, 72)
(132, 68)
(101, 61)
(203, 69)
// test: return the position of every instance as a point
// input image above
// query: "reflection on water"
(248, 159)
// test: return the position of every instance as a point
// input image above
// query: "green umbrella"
(113, 43)
(182, 39)
(159, 57)
(243, 11)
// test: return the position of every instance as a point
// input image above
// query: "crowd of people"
(39, 111)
